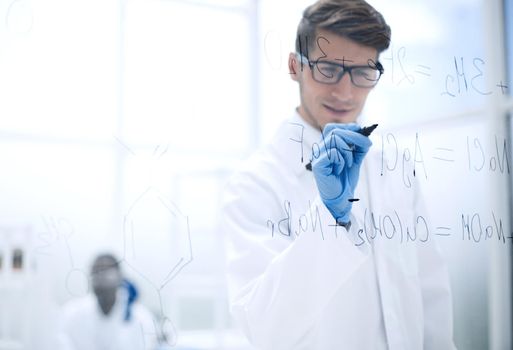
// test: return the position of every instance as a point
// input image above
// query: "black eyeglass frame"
(373, 65)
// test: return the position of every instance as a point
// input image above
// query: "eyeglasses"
(327, 72)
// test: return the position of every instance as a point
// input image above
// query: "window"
(118, 118)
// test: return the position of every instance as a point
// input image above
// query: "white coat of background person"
(110, 319)
(296, 279)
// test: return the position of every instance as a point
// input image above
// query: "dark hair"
(104, 262)
(352, 19)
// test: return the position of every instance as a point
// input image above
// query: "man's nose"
(343, 90)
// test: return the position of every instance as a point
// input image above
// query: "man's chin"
(339, 121)
(342, 118)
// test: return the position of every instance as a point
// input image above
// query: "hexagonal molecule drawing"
(157, 240)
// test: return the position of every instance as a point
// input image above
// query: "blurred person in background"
(110, 318)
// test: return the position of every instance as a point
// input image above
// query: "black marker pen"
(367, 130)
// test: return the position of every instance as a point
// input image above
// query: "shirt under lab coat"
(297, 281)
(84, 327)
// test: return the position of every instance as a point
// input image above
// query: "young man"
(323, 252)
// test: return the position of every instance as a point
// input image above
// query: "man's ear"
(294, 66)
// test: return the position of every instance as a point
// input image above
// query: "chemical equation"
(463, 75)
(392, 226)
(411, 161)
(478, 158)
(472, 228)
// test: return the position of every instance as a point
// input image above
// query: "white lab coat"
(84, 327)
(322, 287)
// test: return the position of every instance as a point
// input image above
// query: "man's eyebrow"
(343, 63)
(343, 59)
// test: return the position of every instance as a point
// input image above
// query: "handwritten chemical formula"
(416, 158)
(475, 152)
(467, 227)
(463, 75)
(456, 75)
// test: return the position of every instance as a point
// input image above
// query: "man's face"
(337, 103)
(105, 278)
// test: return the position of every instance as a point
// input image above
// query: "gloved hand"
(337, 168)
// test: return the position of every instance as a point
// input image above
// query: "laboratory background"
(120, 121)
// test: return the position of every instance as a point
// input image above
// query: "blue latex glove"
(132, 297)
(337, 169)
